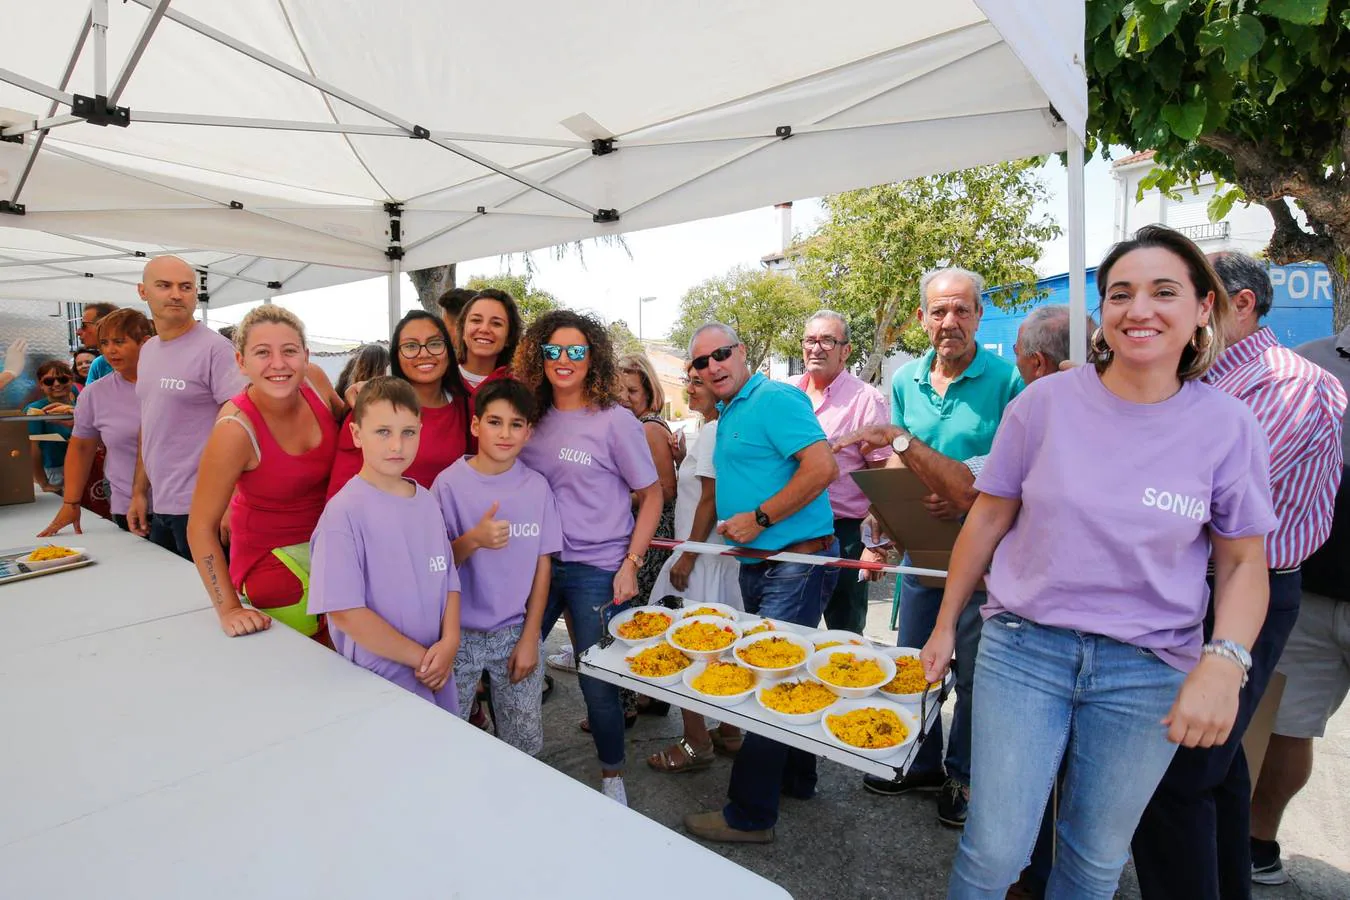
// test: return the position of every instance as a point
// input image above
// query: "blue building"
(1301, 311)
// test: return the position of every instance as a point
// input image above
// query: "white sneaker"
(564, 660)
(613, 789)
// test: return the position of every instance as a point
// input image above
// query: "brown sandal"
(727, 746)
(681, 757)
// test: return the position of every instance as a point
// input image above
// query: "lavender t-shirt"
(495, 584)
(592, 459)
(181, 385)
(107, 410)
(390, 555)
(1118, 502)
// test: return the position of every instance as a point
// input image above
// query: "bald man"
(186, 373)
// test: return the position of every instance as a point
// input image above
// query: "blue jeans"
(1046, 694)
(587, 593)
(1192, 841)
(791, 592)
(917, 617)
(170, 532)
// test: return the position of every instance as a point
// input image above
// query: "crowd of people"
(1144, 539)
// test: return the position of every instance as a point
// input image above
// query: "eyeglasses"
(824, 343)
(410, 349)
(721, 354)
(575, 352)
(51, 380)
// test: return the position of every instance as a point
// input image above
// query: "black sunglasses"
(55, 379)
(721, 354)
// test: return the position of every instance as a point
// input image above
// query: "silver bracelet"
(1231, 651)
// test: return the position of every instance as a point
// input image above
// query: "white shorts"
(1316, 664)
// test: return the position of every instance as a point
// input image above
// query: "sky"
(661, 263)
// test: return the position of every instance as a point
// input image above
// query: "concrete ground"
(848, 843)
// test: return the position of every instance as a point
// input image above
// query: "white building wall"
(1246, 228)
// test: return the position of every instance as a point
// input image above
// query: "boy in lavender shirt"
(185, 374)
(503, 523)
(381, 565)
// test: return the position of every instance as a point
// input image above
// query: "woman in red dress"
(268, 462)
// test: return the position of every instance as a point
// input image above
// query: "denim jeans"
(846, 607)
(791, 592)
(587, 592)
(1049, 693)
(1193, 839)
(917, 617)
(170, 532)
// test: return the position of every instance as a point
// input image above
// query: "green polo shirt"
(962, 423)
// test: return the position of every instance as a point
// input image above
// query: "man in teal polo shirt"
(773, 469)
(951, 398)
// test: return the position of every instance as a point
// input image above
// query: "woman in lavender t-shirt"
(1107, 491)
(593, 454)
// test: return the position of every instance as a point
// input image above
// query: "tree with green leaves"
(1253, 92)
(867, 257)
(532, 301)
(767, 311)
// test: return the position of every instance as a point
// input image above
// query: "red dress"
(278, 503)
(445, 432)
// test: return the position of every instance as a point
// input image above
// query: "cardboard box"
(897, 502)
(16, 460)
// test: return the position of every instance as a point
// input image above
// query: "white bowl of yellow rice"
(720, 682)
(870, 727)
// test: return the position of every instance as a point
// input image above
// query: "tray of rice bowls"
(851, 672)
(657, 662)
(773, 653)
(909, 683)
(720, 682)
(689, 611)
(824, 640)
(704, 637)
(49, 556)
(795, 701)
(870, 728)
(641, 624)
(755, 625)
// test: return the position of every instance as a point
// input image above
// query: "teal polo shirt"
(758, 432)
(961, 424)
(97, 370)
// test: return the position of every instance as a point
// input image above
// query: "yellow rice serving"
(825, 645)
(909, 677)
(763, 626)
(797, 698)
(49, 552)
(869, 728)
(722, 679)
(706, 611)
(847, 670)
(772, 653)
(658, 661)
(704, 636)
(644, 625)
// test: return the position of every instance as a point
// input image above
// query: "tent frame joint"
(394, 251)
(602, 146)
(783, 131)
(274, 285)
(605, 215)
(96, 111)
(12, 208)
(420, 134)
(1054, 114)
(11, 138)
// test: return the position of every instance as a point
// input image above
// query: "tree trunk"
(882, 340)
(431, 283)
(1340, 292)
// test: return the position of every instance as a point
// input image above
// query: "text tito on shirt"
(494, 585)
(759, 433)
(108, 411)
(960, 423)
(592, 459)
(1118, 501)
(181, 385)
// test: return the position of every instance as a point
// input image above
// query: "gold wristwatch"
(634, 559)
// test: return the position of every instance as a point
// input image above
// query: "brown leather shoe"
(712, 826)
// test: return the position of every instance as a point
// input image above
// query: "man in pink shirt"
(843, 403)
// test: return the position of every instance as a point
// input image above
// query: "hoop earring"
(1202, 338)
(1101, 351)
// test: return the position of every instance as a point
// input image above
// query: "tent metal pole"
(40, 125)
(98, 14)
(137, 51)
(413, 130)
(33, 149)
(36, 87)
(1077, 252)
(63, 260)
(395, 301)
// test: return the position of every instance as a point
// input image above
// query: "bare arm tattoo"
(209, 563)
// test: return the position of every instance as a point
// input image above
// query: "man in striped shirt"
(1192, 841)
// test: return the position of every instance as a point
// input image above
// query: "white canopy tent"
(412, 133)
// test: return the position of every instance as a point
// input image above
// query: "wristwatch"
(762, 518)
(634, 559)
(900, 443)
(1231, 651)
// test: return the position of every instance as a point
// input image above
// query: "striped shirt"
(1300, 407)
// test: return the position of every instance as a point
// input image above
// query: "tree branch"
(1291, 243)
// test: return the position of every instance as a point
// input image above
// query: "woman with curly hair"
(594, 454)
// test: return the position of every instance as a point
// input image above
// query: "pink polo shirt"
(849, 404)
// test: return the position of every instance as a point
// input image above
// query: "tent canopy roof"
(282, 129)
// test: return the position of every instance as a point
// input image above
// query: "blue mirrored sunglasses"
(575, 352)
